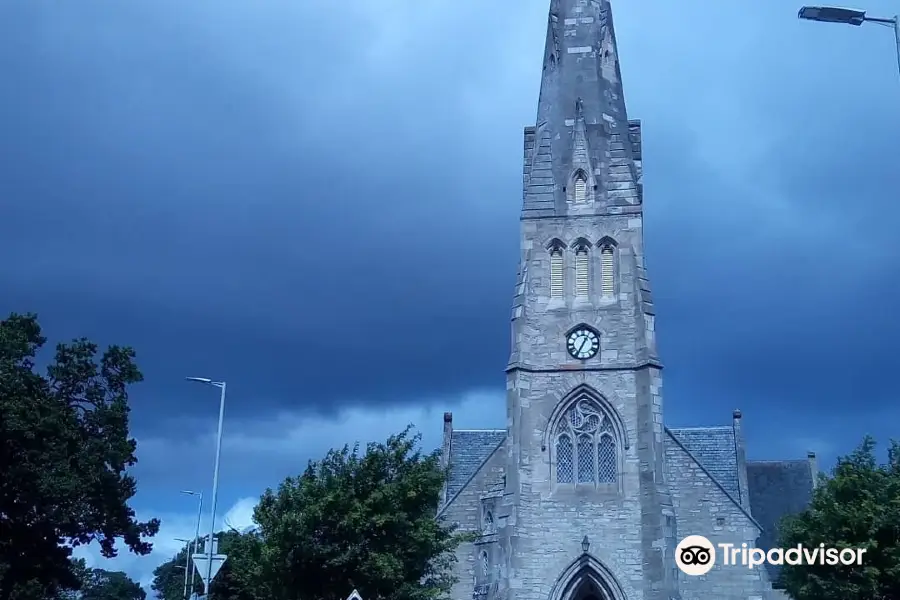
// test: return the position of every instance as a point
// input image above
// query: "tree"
(355, 521)
(168, 578)
(65, 447)
(110, 585)
(858, 506)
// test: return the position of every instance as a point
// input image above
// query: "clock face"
(583, 343)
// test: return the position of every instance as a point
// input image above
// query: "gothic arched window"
(580, 188)
(485, 564)
(607, 271)
(488, 521)
(557, 273)
(582, 272)
(585, 445)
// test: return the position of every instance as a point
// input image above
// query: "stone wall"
(702, 507)
(465, 510)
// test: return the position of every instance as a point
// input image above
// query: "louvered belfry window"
(580, 188)
(582, 273)
(557, 289)
(607, 271)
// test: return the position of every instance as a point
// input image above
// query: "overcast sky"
(320, 205)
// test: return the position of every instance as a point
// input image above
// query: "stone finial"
(448, 417)
(736, 414)
(579, 107)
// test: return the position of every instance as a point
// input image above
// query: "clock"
(583, 343)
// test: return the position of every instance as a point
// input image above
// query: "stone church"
(586, 493)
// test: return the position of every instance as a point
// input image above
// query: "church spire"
(583, 135)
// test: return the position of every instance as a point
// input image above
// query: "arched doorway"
(586, 590)
(586, 578)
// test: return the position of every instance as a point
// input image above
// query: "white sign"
(354, 595)
(201, 561)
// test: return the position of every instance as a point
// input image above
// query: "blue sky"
(320, 206)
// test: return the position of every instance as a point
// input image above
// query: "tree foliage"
(65, 447)
(110, 585)
(168, 578)
(858, 506)
(364, 521)
(353, 520)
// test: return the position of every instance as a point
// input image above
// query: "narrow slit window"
(580, 188)
(557, 289)
(607, 271)
(564, 455)
(586, 460)
(582, 273)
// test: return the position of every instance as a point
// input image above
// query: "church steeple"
(582, 136)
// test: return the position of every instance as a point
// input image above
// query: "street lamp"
(215, 490)
(196, 542)
(851, 16)
(187, 564)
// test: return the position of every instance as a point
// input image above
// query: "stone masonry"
(586, 493)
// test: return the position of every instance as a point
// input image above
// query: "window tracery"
(585, 445)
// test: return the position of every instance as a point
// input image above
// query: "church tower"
(587, 510)
(584, 493)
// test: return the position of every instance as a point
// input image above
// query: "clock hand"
(583, 342)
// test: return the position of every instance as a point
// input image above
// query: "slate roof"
(468, 450)
(714, 448)
(777, 488)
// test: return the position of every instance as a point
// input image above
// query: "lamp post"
(850, 16)
(215, 490)
(195, 544)
(187, 564)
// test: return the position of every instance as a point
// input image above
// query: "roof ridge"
(699, 427)
(478, 431)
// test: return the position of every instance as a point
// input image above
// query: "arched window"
(557, 279)
(580, 188)
(488, 521)
(485, 564)
(593, 459)
(582, 272)
(607, 271)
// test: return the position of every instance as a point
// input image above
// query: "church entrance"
(586, 590)
(587, 579)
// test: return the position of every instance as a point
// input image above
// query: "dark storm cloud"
(322, 206)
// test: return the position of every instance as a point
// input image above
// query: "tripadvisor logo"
(696, 555)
